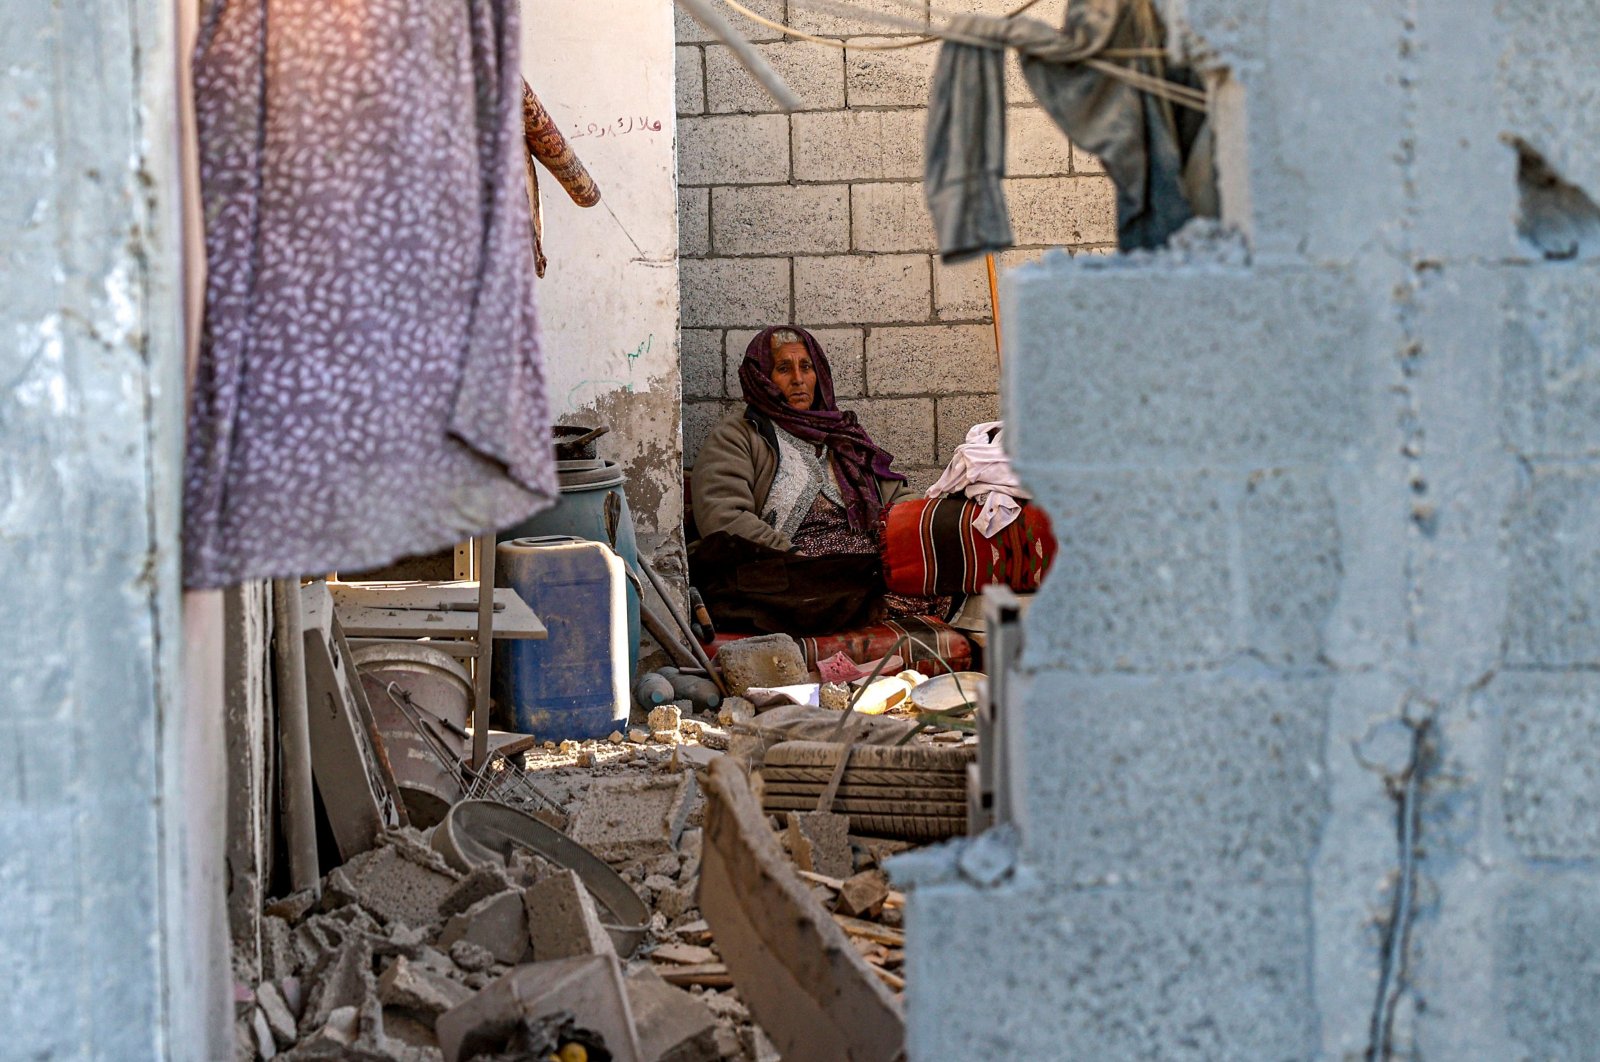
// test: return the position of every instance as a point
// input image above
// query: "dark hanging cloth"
(1158, 155)
(859, 462)
(370, 384)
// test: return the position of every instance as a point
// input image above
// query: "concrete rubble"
(402, 957)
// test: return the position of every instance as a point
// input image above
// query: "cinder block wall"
(817, 218)
(1305, 723)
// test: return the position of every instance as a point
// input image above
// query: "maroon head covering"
(860, 461)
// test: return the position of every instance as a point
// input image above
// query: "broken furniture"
(348, 758)
(462, 620)
(793, 965)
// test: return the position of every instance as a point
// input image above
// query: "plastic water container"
(573, 684)
(593, 506)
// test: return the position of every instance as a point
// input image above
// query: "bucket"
(593, 506)
(572, 684)
(437, 688)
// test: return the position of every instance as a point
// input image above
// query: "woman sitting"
(793, 474)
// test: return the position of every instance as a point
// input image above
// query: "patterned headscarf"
(860, 461)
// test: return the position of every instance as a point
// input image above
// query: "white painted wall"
(609, 302)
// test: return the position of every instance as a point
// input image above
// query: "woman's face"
(795, 376)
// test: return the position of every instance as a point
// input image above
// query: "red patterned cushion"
(930, 548)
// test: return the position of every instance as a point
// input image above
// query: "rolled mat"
(550, 147)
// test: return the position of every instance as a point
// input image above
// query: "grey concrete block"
(1036, 147)
(826, 23)
(1291, 563)
(396, 888)
(1545, 953)
(903, 426)
(698, 420)
(733, 149)
(898, 77)
(689, 80)
(858, 145)
(496, 924)
(734, 291)
(780, 219)
(853, 289)
(890, 216)
(673, 1025)
(1191, 974)
(563, 921)
(932, 359)
(590, 988)
(1554, 606)
(844, 347)
(1550, 355)
(689, 31)
(961, 291)
(694, 221)
(1062, 211)
(957, 414)
(625, 819)
(1174, 779)
(762, 661)
(1551, 782)
(1142, 579)
(1265, 368)
(419, 989)
(815, 74)
(702, 362)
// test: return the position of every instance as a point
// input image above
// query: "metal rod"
(485, 646)
(683, 625)
(294, 735)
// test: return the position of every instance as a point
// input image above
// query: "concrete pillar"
(108, 944)
(1309, 704)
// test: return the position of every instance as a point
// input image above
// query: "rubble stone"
(497, 924)
(419, 989)
(486, 880)
(824, 838)
(631, 818)
(471, 957)
(338, 1031)
(638, 736)
(767, 660)
(590, 988)
(862, 895)
(675, 900)
(615, 738)
(735, 710)
(666, 717)
(293, 907)
(664, 737)
(563, 921)
(673, 1026)
(278, 956)
(279, 1018)
(266, 1043)
(345, 981)
(397, 886)
(834, 695)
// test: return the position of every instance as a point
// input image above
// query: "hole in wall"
(1553, 215)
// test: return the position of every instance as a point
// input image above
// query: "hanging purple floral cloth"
(370, 384)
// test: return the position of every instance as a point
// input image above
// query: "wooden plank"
(707, 975)
(369, 611)
(896, 899)
(793, 965)
(860, 927)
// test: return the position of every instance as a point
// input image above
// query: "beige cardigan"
(733, 476)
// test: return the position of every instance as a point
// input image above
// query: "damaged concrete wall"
(108, 947)
(817, 218)
(1310, 698)
(609, 302)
